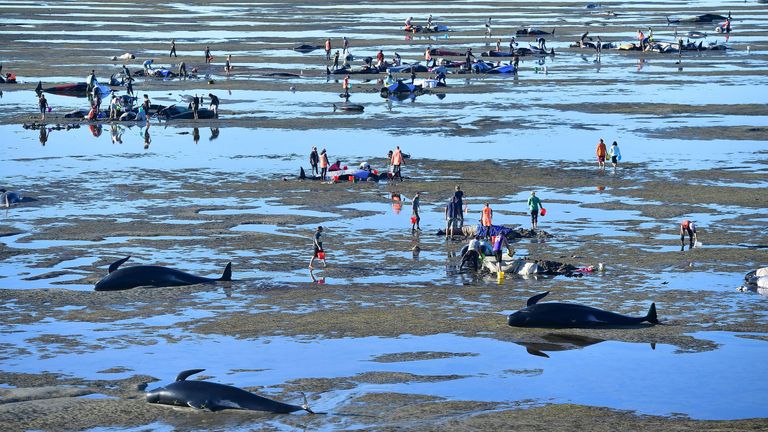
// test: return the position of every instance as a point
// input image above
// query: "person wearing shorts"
(533, 205)
(687, 227)
(317, 245)
(601, 153)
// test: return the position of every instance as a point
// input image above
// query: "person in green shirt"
(533, 205)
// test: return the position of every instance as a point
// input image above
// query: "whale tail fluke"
(114, 266)
(305, 405)
(651, 317)
(227, 276)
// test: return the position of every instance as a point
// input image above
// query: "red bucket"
(413, 219)
(321, 255)
(543, 211)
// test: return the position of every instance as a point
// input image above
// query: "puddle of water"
(601, 374)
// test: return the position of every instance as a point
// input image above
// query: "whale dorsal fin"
(535, 299)
(184, 374)
(118, 263)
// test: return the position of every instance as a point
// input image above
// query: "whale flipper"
(652, 317)
(536, 352)
(184, 374)
(118, 263)
(227, 276)
(535, 299)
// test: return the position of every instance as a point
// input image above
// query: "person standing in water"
(317, 245)
(415, 218)
(323, 164)
(214, 104)
(173, 49)
(345, 86)
(450, 217)
(328, 49)
(687, 227)
(601, 153)
(314, 159)
(208, 56)
(486, 219)
(459, 194)
(615, 154)
(533, 206)
(397, 160)
(228, 64)
(488, 27)
(42, 102)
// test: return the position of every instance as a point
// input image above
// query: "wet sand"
(198, 218)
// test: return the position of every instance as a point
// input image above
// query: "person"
(173, 48)
(397, 60)
(429, 23)
(498, 45)
(328, 49)
(512, 45)
(214, 104)
(415, 218)
(146, 104)
(208, 56)
(183, 69)
(615, 154)
(450, 217)
(488, 27)
(542, 43)
(380, 58)
(397, 160)
(323, 164)
(413, 75)
(428, 55)
(472, 255)
(516, 62)
(389, 80)
(129, 86)
(90, 82)
(533, 206)
(486, 219)
(228, 64)
(468, 59)
(314, 158)
(688, 227)
(601, 152)
(96, 98)
(345, 44)
(336, 166)
(195, 105)
(113, 107)
(459, 194)
(317, 245)
(641, 39)
(408, 24)
(345, 86)
(42, 103)
(440, 76)
(336, 60)
(499, 242)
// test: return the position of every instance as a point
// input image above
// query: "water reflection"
(147, 137)
(43, 135)
(196, 135)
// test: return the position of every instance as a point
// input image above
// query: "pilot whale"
(216, 397)
(151, 276)
(568, 315)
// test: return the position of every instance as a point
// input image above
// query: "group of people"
(603, 152)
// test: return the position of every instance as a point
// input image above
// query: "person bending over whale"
(687, 227)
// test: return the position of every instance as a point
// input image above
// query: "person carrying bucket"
(317, 244)
(533, 205)
(415, 218)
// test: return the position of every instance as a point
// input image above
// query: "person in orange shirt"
(328, 49)
(601, 152)
(323, 164)
(486, 218)
(397, 160)
(345, 86)
(687, 227)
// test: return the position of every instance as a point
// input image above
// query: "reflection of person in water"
(397, 203)
(117, 133)
(214, 134)
(43, 135)
(147, 138)
(196, 135)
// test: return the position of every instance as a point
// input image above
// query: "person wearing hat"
(317, 244)
(533, 205)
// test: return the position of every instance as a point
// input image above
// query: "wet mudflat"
(384, 338)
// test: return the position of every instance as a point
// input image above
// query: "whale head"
(519, 318)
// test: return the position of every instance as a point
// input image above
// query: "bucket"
(413, 219)
(543, 211)
(321, 255)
